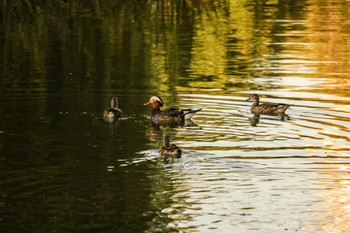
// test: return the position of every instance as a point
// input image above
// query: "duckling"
(169, 115)
(113, 111)
(169, 150)
(266, 108)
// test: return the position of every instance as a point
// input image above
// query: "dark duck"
(169, 150)
(266, 108)
(169, 115)
(114, 111)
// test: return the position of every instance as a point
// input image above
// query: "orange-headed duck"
(169, 115)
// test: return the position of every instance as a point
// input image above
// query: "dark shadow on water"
(156, 131)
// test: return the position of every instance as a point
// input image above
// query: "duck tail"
(188, 113)
(283, 108)
(286, 106)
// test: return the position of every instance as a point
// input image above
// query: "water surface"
(64, 169)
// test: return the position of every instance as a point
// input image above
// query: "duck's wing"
(272, 107)
(174, 151)
(177, 112)
(171, 112)
(169, 115)
(118, 112)
(275, 105)
(174, 147)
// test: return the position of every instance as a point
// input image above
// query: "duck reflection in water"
(155, 133)
(255, 120)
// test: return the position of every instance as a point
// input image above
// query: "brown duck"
(169, 115)
(113, 111)
(266, 108)
(169, 150)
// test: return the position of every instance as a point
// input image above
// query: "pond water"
(64, 169)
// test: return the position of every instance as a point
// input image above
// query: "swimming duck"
(113, 111)
(266, 108)
(169, 115)
(170, 150)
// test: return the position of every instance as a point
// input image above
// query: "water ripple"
(228, 126)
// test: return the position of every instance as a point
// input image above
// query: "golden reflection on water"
(333, 199)
(331, 44)
(300, 60)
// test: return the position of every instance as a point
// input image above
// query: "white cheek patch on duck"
(158, 99)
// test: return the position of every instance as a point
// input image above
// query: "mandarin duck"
(266, 108)
(113, 111)
(170, 150)
(169, 115)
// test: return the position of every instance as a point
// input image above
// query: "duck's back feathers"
(169, 115)
(170, 150)
(173, 115)
(113, 111)
(270, 108)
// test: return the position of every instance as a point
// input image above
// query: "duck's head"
(114, 102)
(166, 141)
(155, 101)
(253, 97)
